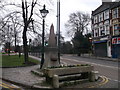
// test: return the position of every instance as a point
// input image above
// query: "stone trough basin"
(50, 72)
(58, 75)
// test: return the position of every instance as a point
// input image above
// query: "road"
(108, 69)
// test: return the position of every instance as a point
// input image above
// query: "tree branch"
(24, 16)
(26, 9)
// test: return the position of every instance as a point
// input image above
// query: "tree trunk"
(15, 42)
(25, 45)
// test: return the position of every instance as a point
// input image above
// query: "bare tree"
(27, 20)
(6, 33)
(78, 22)
(27, 11)
(16, 26)
(11, 20)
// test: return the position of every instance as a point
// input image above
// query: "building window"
(115, 13)
(102, 31)
(106, 14)
(116, 30)
(107, 29)
(100, 17)
(96, 32)
(95, 19)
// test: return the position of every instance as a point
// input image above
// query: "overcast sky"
(69, 6)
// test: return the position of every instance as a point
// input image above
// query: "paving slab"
(22, 75)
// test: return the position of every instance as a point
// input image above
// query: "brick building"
(106, 30)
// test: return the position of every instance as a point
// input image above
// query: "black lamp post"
(43, 12)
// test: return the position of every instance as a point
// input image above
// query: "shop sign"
(116, 40)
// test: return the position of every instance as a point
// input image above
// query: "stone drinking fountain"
(51, 51)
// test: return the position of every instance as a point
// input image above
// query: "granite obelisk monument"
(51, 51)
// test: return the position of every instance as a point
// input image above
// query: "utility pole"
(58, 29)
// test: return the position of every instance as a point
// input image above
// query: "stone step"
(69, 77)
(73, 77)
(72, 82)
(38, 73)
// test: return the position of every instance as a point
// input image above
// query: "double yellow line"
(8, 86)
(104, 81)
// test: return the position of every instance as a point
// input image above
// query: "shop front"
(100, 48)
(116, 47)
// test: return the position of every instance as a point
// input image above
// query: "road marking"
(8, 86)
(114, 80)
(90, 63)
(15, 86)
(104, 81)
(3, 86)
(111, 79)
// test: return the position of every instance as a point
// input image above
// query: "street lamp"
(43, 12)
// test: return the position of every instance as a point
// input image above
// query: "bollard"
(96, 75)
(91, 76)
(55, 81)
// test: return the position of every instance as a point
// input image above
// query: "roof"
(103, 7)
(115, 4)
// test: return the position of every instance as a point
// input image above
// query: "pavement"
(22, 75)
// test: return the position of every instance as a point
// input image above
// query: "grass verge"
(15, 61)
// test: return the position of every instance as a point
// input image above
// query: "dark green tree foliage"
(81, 43)
(66, 48)
(89, 40)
